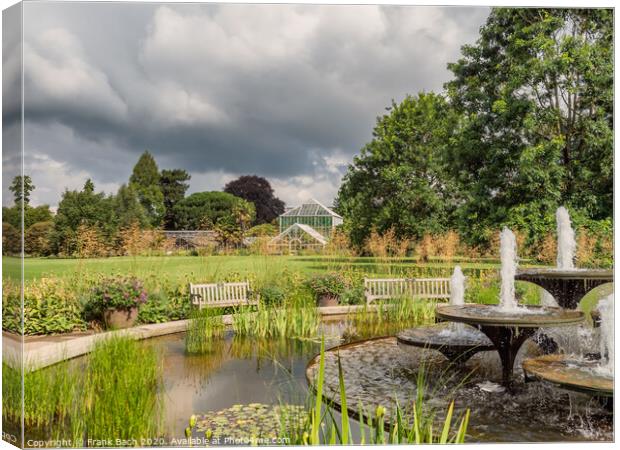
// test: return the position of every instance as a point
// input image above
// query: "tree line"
(150, 200)
(524, 126)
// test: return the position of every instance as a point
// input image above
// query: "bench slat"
(221, 294)
(386, 288)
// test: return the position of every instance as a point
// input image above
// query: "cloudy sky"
(288, 92)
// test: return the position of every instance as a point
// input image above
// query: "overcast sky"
(288, 92)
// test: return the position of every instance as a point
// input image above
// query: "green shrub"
(37, 238)
(50, 306)
(264, 229)
(353, 295)
(272, 295)
(170, 302)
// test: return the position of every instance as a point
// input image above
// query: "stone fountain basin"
(524, 317)
(445, 334)
(569, 372)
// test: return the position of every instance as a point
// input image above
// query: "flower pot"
(120, 318)
(328, 300)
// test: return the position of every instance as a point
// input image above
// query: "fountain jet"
(457, 287)
(606, 310)
(566, 240)
(509, 261)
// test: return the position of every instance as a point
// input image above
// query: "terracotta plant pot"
(328, 300)
(120, 318)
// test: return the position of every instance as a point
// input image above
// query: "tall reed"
(272, 322)
(321, 427)
(122, 397)
(115, 393)
(204, 328)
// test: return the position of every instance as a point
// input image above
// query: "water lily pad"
(249, 422)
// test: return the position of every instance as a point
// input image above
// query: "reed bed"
(122, 392)
(272, 322)
(113, 394)
(390, 316)
(205, 328)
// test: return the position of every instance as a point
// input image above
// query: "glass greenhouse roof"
(312, 208)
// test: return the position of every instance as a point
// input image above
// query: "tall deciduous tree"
(82, 208)
(536, 92)
(257, 190)
(173, 184)
(398, 180)
(145, 181)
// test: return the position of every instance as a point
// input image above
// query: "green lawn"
(209, 267)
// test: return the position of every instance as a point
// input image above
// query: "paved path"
(43, 351)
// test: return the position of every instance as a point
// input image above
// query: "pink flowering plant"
(119, 293)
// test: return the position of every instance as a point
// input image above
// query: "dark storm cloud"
(290, 92)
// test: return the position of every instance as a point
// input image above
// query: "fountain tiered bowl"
(457, 342)
(567, 286)
(571, 373)
(508, 329)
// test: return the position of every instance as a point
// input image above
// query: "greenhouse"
(307, 226)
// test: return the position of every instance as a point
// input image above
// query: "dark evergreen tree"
(145, 181)
(128, 208)
(173, 184)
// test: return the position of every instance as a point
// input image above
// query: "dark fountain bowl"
(567, 286)
(508, 329)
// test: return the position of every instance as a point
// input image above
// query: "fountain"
(508, 325)
(565, 283)
(456, 341)
(581, 373)
(376, 374)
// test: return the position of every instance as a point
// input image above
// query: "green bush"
(50, 306)
(37, 238)
(272, 295)
(353, 295)
(264, 229)
(165, 305)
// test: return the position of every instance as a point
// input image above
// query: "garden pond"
(244, 386)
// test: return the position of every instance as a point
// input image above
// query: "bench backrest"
(221, 294)
(389, 288)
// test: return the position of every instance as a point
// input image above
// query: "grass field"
(216, 268)
(208, 267)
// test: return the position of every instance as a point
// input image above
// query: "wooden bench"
(219, 295)
(390, 288)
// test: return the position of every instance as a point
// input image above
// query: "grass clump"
(113, 394)
(270, 322)
(121, 398)
(387, 317)
(205, 326)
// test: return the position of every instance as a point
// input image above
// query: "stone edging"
(39, 354)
